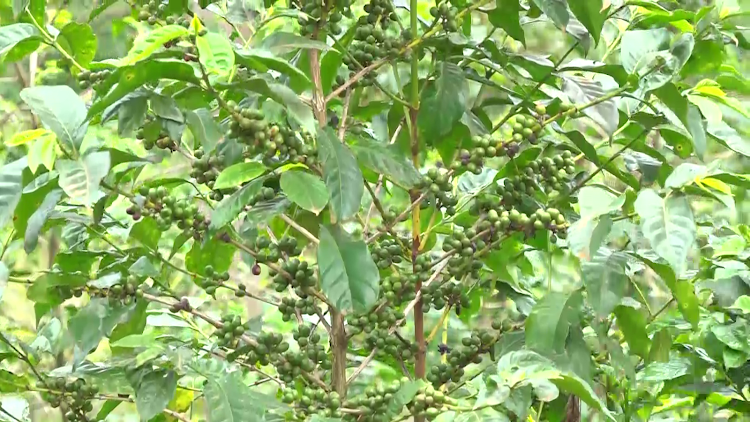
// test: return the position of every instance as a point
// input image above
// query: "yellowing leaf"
(27, 136)
(715, 184)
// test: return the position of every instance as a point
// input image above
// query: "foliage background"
(717, 269)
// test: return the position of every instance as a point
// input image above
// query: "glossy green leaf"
(304, 189)
(17, 40)
(237, 174)
(80, 179)
(61, 110)
(79, 41)
(348, 276)
(229, 400)
(37, 220)
(387, 161)
(549, 323)
(204, 128)
(262, 61)
(556, 10)
(215, 52)
(668, 225)
(586, 236)
(506, 17)
(11, 187)
(153, 392)
(147, 233)
(632, 323)
(285, 97)
(341, 175)
(444, 104)
(682, 290)
(94, 322)
(213, 252)
(660, 346)
(127, 79)
(606, 281)
(582, 91)
(688, 116)
(230, 207)
(281, 42)
(728, 136)
(592, 14)
(146, 45)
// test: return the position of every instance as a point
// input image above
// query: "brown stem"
(339, 342)
(420, 365)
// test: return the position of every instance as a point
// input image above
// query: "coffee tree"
(375, 211)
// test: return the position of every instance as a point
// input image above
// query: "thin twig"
(303, 231)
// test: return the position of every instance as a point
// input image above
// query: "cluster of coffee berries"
(428, 402)
(74, 395)
(374, 404)
(205, 171)
(267, 251)
(310, 401)
(448, 14)
(295, 273)
(398, 288)
(230, 331)
(161, 141)
(387, 252)
(248, 126)
(484, 146)
(268, 349)
(525, 128)
(311, 346)
(214, 279)
(388, 344)
(304, 305)
(384, 318)
(438, 296)
(167, 209)
(125, 292)
(92, 79)
(313, 12)
(297, 147)
(463, 245)
(471, 350)
(440, 188)
(154, 10)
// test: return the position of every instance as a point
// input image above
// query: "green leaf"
(592, 15)
(147, 233)
(231, 206)
(131, 115)
(650, 54)
(284, 96)
(204, 129)
(556, 10)
(665, 371)
(582, 91)
(93, 322)
(341, 175)
(386, 160)
(17, 40)
(11, 187)
(682, 290)
(660, 346)
(688, 115)
(734, 335)
(595, 201)
(237, 174)
(444, 104)
(143, 268)
(80, 179)
(215, 52)
(280, 42)
(404, 395)
(229, 400)
(144, 46)
(37, 220)
(213, 252)
(550, 320)
(506, 17)
(572, 384)
(131, 78)
(153, 392)
(79, 41)
(348, 276)
(586, 236)
(606, 281)
(685, 174)
(632, 323)
(61, 110)
(261, 61)
(743, 304)
(668, 225)
(729, 137)
(305, 190)
(101, 8)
